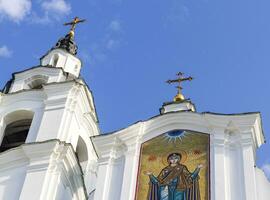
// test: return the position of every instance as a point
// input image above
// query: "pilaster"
(249, 166)
(218, 170)
(111, 172)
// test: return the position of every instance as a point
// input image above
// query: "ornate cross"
(73, 24)
(179, 80)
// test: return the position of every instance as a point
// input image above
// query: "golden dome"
(179, 97)
(71, 33)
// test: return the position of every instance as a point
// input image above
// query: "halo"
(182, 152)
(175, 135)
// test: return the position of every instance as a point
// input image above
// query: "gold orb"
(71, 33)
(179, 97)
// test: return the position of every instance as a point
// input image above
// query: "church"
(52, 148)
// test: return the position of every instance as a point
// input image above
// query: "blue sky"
(130, 48)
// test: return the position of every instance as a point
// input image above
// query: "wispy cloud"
(115, 26)
(38, 19)
(5, 52)
(112, 44)
(45, 11)
(108, 43)
(52, 10)
(15, 10)
(56, 6)
(266, 169)
(93, 56)
(113, 39)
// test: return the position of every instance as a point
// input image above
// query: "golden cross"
(179, 80)
(73, 24)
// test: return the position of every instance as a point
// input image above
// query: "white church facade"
(51, 147)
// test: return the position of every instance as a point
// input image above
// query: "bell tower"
(63, 54)
(47, 116)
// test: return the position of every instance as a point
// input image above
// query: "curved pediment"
(34, 78)
(218, 125)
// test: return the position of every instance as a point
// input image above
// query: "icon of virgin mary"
(174, 182)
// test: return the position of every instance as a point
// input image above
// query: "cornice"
(48, 70)
(37, 67)
(27, 95)
(60, 51)
(206, 119)
(47, 155)
(25, 154)
(199, 122)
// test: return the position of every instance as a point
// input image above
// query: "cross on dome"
(67, 43)
(73, 24)
(179, 96)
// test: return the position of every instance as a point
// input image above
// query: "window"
(16, 127)
(36, 82)
(15, 134)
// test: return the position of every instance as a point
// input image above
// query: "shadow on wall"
(82, 153)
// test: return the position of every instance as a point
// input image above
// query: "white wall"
(67, 61)
(60, 111)
(233, 141)
(11, 183)
(44, 171)
(263, 186)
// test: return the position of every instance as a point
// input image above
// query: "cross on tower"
(73, 24)
(179, 80)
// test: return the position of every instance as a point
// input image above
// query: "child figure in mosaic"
(174, 182)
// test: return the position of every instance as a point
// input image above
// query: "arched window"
(36, 84)
(16, 130)
(37, 81)
(82, 154)
(55, 60)
(15, 134)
